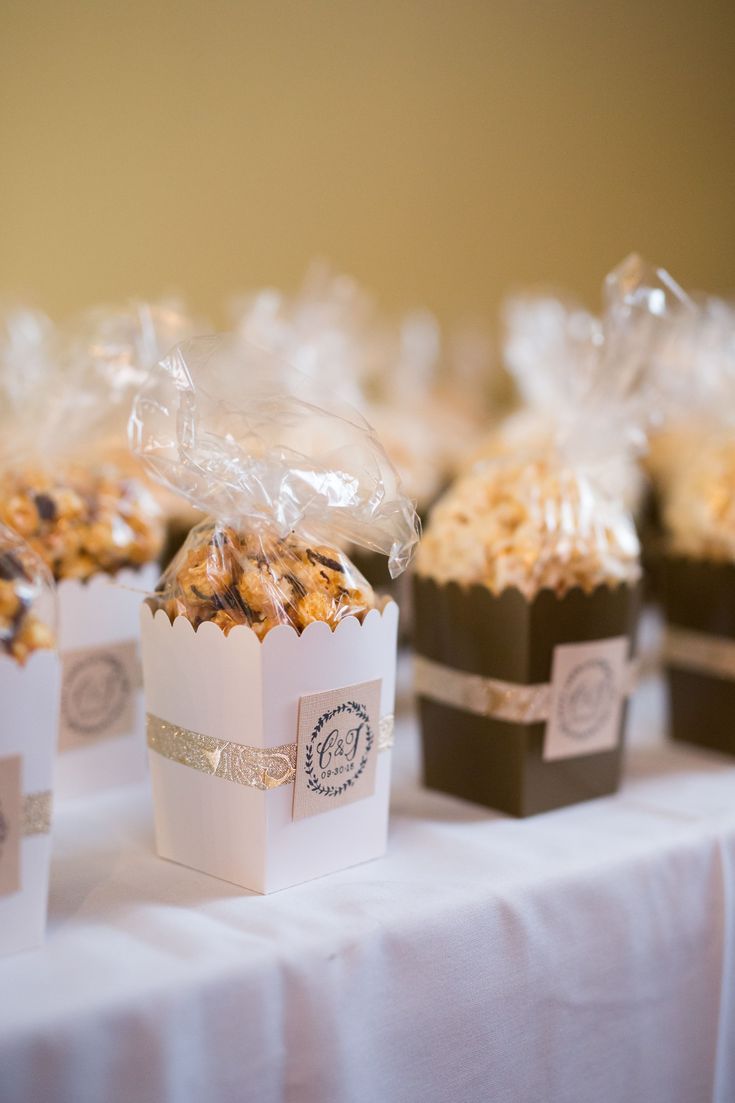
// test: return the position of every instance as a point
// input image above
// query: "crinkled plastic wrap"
(586, 385)
(690, 391)
(66, 477)
(425, 396)
(29, 420)
(286, 482)
(106, 353)
(692, 455)
(330, 332)
(552, 348)
(553, 352)
(430, 402)
(27, 603)
(550, 505)
(27, 338)
(114, 347)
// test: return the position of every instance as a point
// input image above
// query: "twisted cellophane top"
(68, 483)
(286, 483)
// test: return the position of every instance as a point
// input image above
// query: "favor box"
(699, 652)
(101, 722)
(522, 703)
(28, 724)
(270, 760)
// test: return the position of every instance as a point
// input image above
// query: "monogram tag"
(587, 691)
(337, 748)
(98, 693)
(10, 824)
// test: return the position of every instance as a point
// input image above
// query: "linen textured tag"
(586, 698)
(10, 824)
(337, 748)
(98, 693)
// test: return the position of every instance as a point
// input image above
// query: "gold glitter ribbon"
(491, 697)
(700, 652)
(386, 732)
(256, 767)
(36, 813)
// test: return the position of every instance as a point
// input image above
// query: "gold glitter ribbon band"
(252, 766)
(698, 651)
(36, 813)
(490, 697)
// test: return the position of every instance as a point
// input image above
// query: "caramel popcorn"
(531, 526)
(699, 503)
(231, 577)
(80, 523)
(21, 631)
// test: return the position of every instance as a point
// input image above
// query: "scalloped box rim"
(160, 615)
(242, 689)
(101, 577)
(465, 587)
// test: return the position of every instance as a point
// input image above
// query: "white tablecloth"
(584, 956)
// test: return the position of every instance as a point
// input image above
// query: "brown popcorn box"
(176, 531)
(651, 535)
(564, 742)
(699, 601)
(374, 568)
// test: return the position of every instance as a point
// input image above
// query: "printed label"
(586, 698)
(337, 748)
(11, 806)
(98, 693)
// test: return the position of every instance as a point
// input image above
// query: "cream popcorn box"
(269, 662)
(225, 757)
(101, 724)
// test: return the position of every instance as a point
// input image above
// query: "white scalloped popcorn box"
(28, 726)
(236, 690)
(102, 719)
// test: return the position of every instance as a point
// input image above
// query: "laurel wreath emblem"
(313, 783)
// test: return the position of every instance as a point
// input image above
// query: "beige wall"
(440, 151)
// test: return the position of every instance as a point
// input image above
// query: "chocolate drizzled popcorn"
(261, 580)
(23, 582)
(80, 522)
(287, 482)
(67, 481)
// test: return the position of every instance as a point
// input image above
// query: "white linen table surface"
(583, 956)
